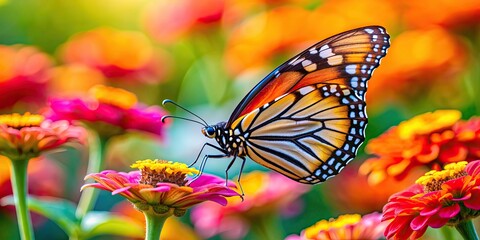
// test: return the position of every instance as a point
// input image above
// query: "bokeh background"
(206, 55)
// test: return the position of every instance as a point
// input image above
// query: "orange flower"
(349, 226)
(419, 61)
(263, 37)
(117, 54)
(23, 137)
(74, 79)
(23, 76)
(431, 139)
(446, 13)
(167, 21)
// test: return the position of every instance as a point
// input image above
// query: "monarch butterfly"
(307, 118)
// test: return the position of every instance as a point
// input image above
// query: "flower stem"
(95, 164)
(266, 227)
(154, 224)
(20, 192)
(467, 230)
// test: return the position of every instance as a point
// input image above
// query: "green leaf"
(60, 211)
(106, 223)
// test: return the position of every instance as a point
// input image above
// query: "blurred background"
(206, 55)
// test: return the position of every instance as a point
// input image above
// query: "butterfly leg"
(201, 150)
(204, 161)
(240, 175)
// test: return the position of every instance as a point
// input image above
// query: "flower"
(125, 55)
(162, 187)
(349, 226)
(26, 136)
(418, 63)
(445, 13)
(168, 21)
(265, 194)
(110, 111)
(24, 75)
(447, 197)
(74, 79)
(274, 32)
(430, 139)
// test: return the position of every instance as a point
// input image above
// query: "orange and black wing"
(348, 58)
(308, 135)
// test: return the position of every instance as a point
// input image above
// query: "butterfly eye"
(209, 131)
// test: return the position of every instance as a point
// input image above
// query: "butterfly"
(307, 118)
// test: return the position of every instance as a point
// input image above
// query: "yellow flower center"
(433, 180)
(114, 96)
(427, 123)
(156, 171)
(18, 121)
(326, 225)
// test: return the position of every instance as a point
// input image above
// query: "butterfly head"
(210, 131)
(213, 131)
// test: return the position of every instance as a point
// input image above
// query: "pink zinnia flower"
(349, 226)
(162, 187)
(447, 197)
(24, 75)
(110, 111)
(27, 136)
(265, 194)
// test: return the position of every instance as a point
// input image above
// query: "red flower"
(431, 139)
(439, 198)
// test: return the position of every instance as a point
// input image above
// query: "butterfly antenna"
(187, 119)
(186, 110)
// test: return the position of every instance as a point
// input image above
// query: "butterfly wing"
(348, 58)
(308, 135)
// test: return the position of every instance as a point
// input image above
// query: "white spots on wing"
(236, 131)
(376, 47)
(364, 69)
(368, 58)
(374, 38)
(346, 91)
(368, 30)
(306, 90)
(313, 51)
(309, 66)
(381, 30)
(326, 51)
(335, 60)
(306, 63)
(351, 69)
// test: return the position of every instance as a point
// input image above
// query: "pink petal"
(429, 211)
(437, 222)
(473, 168)
(120, 190)
(418, 222)
(450, 211)
(474, 201)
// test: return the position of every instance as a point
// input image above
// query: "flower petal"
(449, 212)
